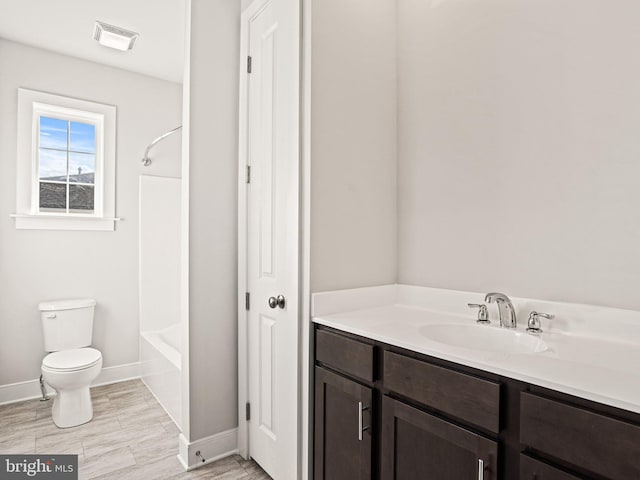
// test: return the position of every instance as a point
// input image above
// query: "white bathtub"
(159, 282)
(161, 367)
(167, 341)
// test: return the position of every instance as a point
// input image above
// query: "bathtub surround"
(161, 368)
(161, 327)
(42, 265)
(159, 251)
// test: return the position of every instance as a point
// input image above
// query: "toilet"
(72, 364)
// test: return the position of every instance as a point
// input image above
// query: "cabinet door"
(342, 428)
(531, 469)
(419, 446)
(597, 443)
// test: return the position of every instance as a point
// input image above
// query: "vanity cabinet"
(351, 357)
(531, 469)
(380, 414)
(470, 399)
(343, 440)
(425, 418)
(418, 445)
(422, 442)
(581, 438)
(343, 408)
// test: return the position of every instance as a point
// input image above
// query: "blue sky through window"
(53, 133)
(62, 149)
(83, 137)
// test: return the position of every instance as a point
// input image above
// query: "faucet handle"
(483, 314)
(533, 325)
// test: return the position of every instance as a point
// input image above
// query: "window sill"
(63, 222)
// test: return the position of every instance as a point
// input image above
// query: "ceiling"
(66, 26)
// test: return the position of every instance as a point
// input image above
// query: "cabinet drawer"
(531, 469)
(350, 356)
(594, 442)
(468, 398)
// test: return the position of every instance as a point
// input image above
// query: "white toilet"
(72, 366)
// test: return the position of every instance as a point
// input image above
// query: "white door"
(272, 235)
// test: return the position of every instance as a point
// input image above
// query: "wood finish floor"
(130, 438)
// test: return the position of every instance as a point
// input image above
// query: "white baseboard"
(17, 392)
(118, 373)
(211, 448)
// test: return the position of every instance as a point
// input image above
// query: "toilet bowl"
(71, 364)
(70, 373)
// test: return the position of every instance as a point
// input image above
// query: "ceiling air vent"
(114, 37)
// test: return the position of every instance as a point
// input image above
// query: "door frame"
(243, 337)
(302, 287)
(243, 313)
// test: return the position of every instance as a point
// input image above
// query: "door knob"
(278, 301)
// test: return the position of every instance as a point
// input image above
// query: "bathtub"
(162, 366)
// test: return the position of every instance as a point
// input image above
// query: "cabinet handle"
(361, 428)
(480, 469)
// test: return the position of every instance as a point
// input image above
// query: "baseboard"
(211, 448)
(17, 392)
(118, 373)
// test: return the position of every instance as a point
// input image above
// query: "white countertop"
(587, 364)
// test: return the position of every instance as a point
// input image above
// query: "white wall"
(212, 174)
(37, 265)
(518, 148)
(353, 144)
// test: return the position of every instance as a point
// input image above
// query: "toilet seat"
(72, 360)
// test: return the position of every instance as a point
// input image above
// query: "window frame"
(31, 106)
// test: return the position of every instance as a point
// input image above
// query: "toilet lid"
(76, 359)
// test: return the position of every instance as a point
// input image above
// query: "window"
(66, 163)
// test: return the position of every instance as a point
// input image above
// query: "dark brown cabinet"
(353, 358)
(531, 469)
(417, 446)
(472, 400)
(343, 434)
(429, 419)
(581, 438)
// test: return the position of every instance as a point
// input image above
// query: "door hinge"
(249, 64)
(248, 173)
(248, 412)
(247, 300)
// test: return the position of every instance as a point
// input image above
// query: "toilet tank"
(67, 324)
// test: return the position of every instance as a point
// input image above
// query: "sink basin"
(484, 337)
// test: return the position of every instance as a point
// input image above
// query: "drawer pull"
(480, 469)
(361, 428)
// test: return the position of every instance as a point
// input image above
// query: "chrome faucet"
(505, 308)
